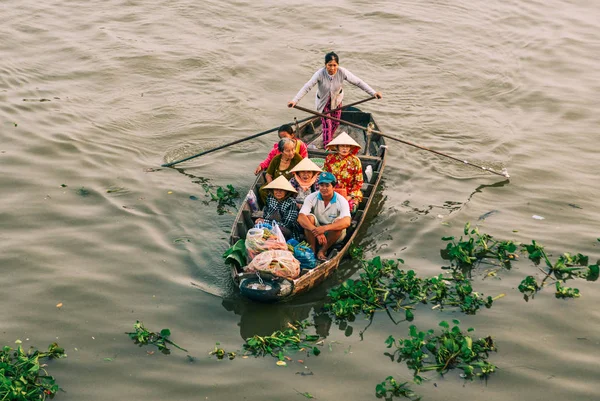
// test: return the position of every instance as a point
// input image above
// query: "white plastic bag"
(278, 262)
(258, 241)
(278, 233)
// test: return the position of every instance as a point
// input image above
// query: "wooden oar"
(504, 173)
(257, 135)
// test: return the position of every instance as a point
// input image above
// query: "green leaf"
(316, 351)
(236, 258)
(593, 272)
(444, 324)
(412, 330)
(447, 238)
(409, 315)
(165, 332)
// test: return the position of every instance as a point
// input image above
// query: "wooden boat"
(265, 287)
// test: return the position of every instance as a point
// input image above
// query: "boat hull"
(261, 287)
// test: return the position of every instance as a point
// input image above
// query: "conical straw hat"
(343, 139)
(306, 165)
(281, 183)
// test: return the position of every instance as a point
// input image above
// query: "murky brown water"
(128, 84)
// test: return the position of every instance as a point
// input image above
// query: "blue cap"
(327, 178)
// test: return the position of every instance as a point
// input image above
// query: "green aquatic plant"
(365, 295)
(225, 197)
(566, 292)
(566, 267)
(356, 252)
(292, 339)
(305, 394)
(465, 254)
(383, 286)
(142, 336)
(390, 388)
(452, 349)
(22, 378)
(220, 353)
(529, 287)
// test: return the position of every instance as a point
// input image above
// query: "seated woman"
(281, 207)
(346, 167)
(285, 131)
(282, 164)
(306, 174)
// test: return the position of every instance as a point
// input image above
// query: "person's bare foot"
(321, 256)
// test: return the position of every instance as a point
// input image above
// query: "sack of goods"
(303, 253)
(259, 240)
(277, 262)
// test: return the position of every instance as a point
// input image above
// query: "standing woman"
(329, 92)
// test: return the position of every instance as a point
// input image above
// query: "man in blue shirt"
(325, 215)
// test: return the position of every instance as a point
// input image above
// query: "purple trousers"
(329, 126)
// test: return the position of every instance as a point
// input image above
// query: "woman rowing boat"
(329, 92)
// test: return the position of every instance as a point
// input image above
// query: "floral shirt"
(348, 172)
(285, 212)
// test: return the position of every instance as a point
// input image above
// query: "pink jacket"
(300, 149)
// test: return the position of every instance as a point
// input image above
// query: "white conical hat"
(281, 183)
(306, 165)
(343, 139)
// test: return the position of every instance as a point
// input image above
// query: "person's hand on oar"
(291, 103)
(258, 170)
(378, 95)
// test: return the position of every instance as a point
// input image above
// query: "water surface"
(94, 96)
